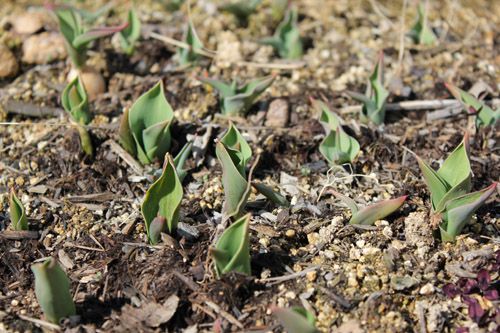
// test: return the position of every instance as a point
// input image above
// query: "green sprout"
(485, 116)
(420, 32)
(130, 35)
(145, 127)
(180, 160)
(449, 186)
(296, 319)
(232, 251)
(286, 39)
(241, 9)
(278, 9)
(76, 36)
(190, 55)
(237, 99)
(162, 201)
(75, 101)
(18, 217)
(370, 214)
(52, 291)
(337, 147)
(375, 97)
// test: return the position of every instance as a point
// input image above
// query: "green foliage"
(270, 194)
(145, 128)
(75, 102)
(188, 56)
(376, 96)
(286, 39)
(485, 116)
(233, 153)
(449, 187)
(130, 35)
(180, 160)
(52, 291)
(18, 217)
(77, 37)
(421, 33)
(242, 9)
(278, 9)
(162, 201)
(370, 214)
(337, 147)
(296, 319)
(237, 100)
(232, 251)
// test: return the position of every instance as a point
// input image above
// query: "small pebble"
(290, 233)
(427, 289)
(311, 276)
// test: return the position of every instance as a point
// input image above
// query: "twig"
(402, 33)
(178, 43)
(31, 110)
(187, 281)
(41, 323)
(279, 279)
(229, 317)
(336, 298)
(18, 235)
(419, 105)
(125, 156)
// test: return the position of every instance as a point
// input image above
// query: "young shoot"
(241, 9)
(145, 127)
(18, 218)
(52, 291)
(296, 319)
(189, 55)
(420, 32)
(286, 39)
(130, 35)
(485, 116)
(237, 99)
(232, 251)
(375, 98)
(370, 214)
(162, 202)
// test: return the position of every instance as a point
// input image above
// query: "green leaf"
(459, 211)
(286, 39)
(239, 146)
(421, 33)
(245, 96)
(70, 23)
(232, 251)
(17, 213)
(52, 291)
(75, 101)
(90, 35)
(130, 35)
(149, 122)
(485, 116)
(241, 9)
(225, 90)
(180, 160)
(187, 56)
(270, 194)
(437, 186)
(295, 319)
(327, 117)
(370, 214)
(351, 204)
(338, 147)
(163, 199)
(125, 134)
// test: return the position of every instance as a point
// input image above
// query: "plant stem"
(85, 140)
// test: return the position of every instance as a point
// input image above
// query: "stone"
(277, 114)
(8, 62)
(44, 48)
(28, 23)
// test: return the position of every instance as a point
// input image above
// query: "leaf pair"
(77, 37)
(370, 214)
(52, 291)
(18, 217)
(485, 116)
(337, 147)
(75, 102)
(161, 204)
(237, 99)
(189, 55)
(376, 96)
(286, 39)
(449, 187)
(296, 319)
(241, 9)
(130, 35)
(420, 32)
(145, 128)
(232, 250)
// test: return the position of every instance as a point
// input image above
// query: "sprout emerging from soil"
(232, 251)
(18, 217)
(242, 9)
(370, 214)
(130, 35)
(189, 55)
(145, 127)
(237, 99)
(162, 202)
(296, 319)
(485, 116)
(337, 147)
(451, 201)
(75, 101)
(52, 291)
(375, 97)
(180, 160)
(421, 33)
(286, 40)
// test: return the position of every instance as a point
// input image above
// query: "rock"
(403, 282)
(277, 114)
(44, 48)
(427, 289)
(8, 62)
(417, 230)
(228, 49)
(28, 23)
(92, 80)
